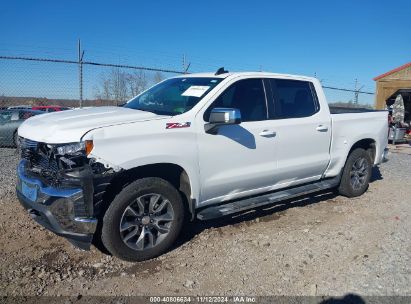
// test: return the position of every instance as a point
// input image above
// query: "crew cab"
(193, 146)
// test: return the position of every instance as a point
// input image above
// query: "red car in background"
(49, 108)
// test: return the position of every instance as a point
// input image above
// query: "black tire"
(111, 235)
(353, 183)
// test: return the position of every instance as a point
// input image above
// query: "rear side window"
(293, 98)
(246, 95)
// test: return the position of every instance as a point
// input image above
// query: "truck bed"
(342, 110)
(351, 127)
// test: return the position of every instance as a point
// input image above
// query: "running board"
(266, 199)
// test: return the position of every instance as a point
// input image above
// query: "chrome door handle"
(322, 128)
(268, 133)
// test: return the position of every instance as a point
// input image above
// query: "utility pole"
(186, 65)
(184, 62)
(356, 91)
(80, 71)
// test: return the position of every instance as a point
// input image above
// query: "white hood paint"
(70, 126)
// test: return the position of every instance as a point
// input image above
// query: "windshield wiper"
(157, 112)
(144, 110)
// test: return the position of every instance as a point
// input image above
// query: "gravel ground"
(321, 245)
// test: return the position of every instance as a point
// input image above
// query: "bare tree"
(103, 90)
(119, 86)
(158, 76)
(106, 89)
(137, 82)
(41, 102)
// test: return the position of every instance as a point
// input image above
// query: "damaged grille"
(42, 161)
(52, 168)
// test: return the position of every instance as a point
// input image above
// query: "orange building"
(392, 83)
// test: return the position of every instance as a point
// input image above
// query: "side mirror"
(222, 116)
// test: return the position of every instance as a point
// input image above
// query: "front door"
(240, 159)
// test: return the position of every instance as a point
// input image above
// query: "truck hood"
(70, 126)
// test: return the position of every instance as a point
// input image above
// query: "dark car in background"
(10, 120)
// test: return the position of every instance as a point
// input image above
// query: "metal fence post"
(80, 66)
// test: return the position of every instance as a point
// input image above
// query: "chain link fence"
(32, 86)
(35, 84)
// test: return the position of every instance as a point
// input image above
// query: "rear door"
(303, 132)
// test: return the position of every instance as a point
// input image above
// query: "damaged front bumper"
(66, 210)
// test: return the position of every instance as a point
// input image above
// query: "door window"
(246, 95)
(293, 98)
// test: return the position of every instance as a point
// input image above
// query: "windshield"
(173, 96)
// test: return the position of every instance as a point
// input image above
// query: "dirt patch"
(318, 245)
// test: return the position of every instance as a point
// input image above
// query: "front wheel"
(144, 220)
(356, 173)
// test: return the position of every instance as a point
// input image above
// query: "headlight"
(74, 148)
(71, 148)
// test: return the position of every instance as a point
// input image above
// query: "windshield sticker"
(195, 91)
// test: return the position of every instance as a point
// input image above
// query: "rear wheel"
(144, 220)
(356, 174)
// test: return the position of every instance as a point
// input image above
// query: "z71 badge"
(177, 125)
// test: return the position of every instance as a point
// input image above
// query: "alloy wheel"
(146, 221)
(359, 173)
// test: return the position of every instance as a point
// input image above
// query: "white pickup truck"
(193, 146)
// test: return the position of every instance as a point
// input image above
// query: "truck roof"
(252, 74)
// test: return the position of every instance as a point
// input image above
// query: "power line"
(356, 91)
(93, 63)
(348, 90)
